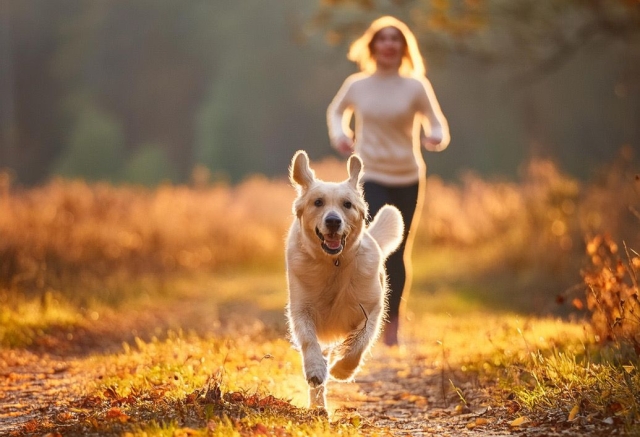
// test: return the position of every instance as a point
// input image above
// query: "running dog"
(335, 272)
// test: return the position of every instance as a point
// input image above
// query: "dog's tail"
(387, 229)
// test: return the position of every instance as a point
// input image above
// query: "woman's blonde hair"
(360, 50)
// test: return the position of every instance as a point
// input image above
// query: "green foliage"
(257, 102)
(149, 166)
(95, 147)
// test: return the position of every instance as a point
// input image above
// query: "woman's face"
(388, 47)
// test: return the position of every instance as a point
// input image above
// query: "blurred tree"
(227, 78)
(257, 111)
(149, 165)
(239, 86)
(147, 61)
(30, 127)
(532, 37)
(556, 78)
(95, 148)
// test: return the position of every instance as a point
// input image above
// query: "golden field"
(164, 307)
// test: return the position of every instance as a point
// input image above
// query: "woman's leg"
(376, 196)
(398, 264)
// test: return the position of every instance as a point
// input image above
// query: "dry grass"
(513, 245)
(612, 293)
(70, 234)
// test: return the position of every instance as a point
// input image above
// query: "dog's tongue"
(332, 243)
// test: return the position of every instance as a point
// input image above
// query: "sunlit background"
(145, 91)
(144, 146)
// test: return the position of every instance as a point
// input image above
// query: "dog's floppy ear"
(300, 173)
(355, 171)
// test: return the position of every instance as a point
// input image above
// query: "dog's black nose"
(333, 222)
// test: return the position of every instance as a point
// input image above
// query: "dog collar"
(337, 260)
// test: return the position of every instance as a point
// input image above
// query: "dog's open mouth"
(333, 243)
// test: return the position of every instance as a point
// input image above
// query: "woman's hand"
(432, 143)
(344, 146)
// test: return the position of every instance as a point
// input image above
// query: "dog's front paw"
(315, 381)
(317, 376)
(316, 373)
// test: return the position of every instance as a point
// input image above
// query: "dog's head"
(330, 213)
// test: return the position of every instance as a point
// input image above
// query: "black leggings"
(405, 199)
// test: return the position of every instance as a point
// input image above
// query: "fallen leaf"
(615, 407)
(403, 373)
(355, 421)
(260, 428)
(577, 304)
(31, 425)
(461, 409)
(110, 393)
(64, 417)
(116, 413)
(573, 413)
(522, 420)
(481, 421)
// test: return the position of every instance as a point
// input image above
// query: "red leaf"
(577, 304)
(116, 413)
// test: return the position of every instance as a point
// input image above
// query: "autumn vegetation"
(543, 267)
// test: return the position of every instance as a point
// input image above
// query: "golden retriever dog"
(335, 272)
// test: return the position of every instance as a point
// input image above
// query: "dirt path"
(413, 401)
(398, 392)
(403, 395)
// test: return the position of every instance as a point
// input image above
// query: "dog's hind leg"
(345, 367)
(356, 344)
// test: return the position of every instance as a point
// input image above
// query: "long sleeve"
(339, 113)
(436, 127)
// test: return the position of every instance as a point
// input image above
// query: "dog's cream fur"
(335, 272)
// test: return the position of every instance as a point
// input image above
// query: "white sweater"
(389, 111)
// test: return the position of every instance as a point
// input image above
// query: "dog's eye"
(318, 202)
(347, 204)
